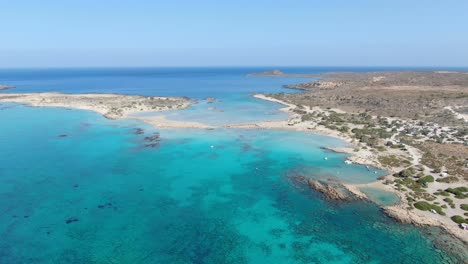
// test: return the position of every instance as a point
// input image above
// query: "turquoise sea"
(78, 188)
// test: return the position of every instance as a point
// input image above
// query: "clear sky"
(57, 33)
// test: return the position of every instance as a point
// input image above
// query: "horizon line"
(239, 66)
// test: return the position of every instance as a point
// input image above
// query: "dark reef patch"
(71, 220)
(138, 131)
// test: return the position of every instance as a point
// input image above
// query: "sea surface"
(78, 188)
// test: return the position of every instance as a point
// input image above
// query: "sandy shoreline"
(161, 122)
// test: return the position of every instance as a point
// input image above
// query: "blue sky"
(53, 33)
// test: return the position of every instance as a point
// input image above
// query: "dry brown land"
(420, 95)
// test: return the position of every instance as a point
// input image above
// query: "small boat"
(326, 158)
(348, 162)
(211, 146)
(464, 226)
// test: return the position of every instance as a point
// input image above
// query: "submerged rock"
(210, 100)
(71, 220)
(154, 141)
(153, 138)
(107, 205)
(62, 136)
(298, 180)
(138, 131)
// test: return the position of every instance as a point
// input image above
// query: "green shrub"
(425, 206)
(464, 207)
(424, 180)
(448, 179)
(410, 183)
(443, 193)
(458, 219)
(344, 129)
(407, 172)
(459, 192)
(450, 202)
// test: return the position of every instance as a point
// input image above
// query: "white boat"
(326, 158)
(348, 162)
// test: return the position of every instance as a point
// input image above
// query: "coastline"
(400, 212)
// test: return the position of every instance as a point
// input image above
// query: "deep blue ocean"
(100, 194)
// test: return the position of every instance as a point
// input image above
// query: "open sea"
(78, 188)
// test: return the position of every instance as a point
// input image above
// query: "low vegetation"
(448, 179)
(393, 161)
(459, 192)
(459, 219)
(425, 206)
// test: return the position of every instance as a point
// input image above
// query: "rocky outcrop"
(331, 191)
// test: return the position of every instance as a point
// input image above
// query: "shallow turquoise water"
(182, 201)
(381, 197)
(230, 86)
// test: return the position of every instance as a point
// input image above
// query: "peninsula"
(112, 106)
(4, 87)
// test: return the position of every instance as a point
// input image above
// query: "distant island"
(413, 124)
(4, 87)
(267, 73)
